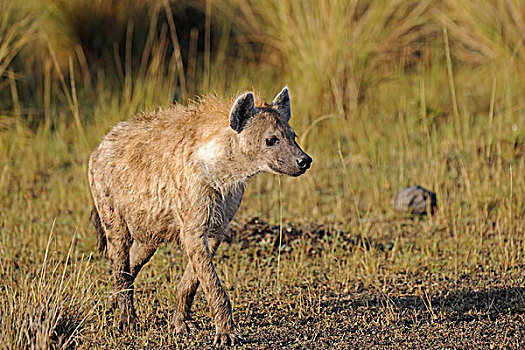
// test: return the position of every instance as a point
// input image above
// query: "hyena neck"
(223, 165)
(223, 181)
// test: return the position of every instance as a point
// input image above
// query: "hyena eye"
(272, 141)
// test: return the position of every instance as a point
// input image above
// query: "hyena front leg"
(195, 243)
(186, 291)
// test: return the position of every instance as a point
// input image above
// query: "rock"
(415, 200)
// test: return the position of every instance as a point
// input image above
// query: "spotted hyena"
(179, 174)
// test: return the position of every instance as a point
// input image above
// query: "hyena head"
(266, 137)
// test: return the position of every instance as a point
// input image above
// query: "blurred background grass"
(385, 94)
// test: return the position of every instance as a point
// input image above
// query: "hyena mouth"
(294, 172)
(301, 172)
(282, 171)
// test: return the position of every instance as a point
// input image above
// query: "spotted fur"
(179, 174)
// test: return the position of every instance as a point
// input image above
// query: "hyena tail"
(101, 235)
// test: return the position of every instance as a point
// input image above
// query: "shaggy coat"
(179, 174)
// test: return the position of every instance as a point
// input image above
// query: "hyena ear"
(243, 109)
(282, 103)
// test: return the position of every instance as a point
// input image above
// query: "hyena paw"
(112, 301)
(127, 323)
(227, 339)
(185, 326)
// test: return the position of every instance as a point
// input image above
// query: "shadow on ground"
(457, 306)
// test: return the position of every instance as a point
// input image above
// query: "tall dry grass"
(49, 307)
(487, 32)
(342, 45)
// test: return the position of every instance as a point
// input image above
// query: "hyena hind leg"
(186, 291)
(139, 255)
(118, 249)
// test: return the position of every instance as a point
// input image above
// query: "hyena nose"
(304, 162)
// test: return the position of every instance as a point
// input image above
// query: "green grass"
(376, 101)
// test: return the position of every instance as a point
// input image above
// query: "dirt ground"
(482, 310)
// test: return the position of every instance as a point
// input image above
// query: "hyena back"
(179, 174)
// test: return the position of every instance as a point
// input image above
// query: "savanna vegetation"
(385, 94)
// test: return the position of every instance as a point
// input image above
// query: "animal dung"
(415, 200)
